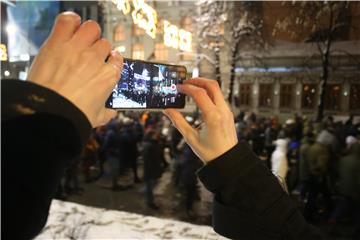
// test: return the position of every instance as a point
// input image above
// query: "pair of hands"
(72, 63)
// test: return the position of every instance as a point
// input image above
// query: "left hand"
(72, 63)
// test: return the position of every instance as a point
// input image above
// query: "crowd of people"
(127, 140)
(317, 162)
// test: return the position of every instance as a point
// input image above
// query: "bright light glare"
(6, 73)
(11, 29)
(120, 49)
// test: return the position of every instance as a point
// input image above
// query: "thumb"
(188, 132)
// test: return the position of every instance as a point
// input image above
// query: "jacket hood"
(281, 144)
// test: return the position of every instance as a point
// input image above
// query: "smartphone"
(148, 85)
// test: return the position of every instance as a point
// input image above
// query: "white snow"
(122, 102)
(74, 221)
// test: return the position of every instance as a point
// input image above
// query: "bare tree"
(231, 26)
(245, 27)
(210, 26)
(321, 23)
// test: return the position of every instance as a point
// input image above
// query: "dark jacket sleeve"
(41, 132)
(249, 202)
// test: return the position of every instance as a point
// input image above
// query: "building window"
(160, 27)
(138, 31)
(245, 94)
(118, 34)
(161, 52)
(286, 95)
(186, 24)
(355, 97)
(265, 95)
(138, 51)
(308, 96)
(332, 96)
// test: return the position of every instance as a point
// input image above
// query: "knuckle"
(94, 26)
(90, 55)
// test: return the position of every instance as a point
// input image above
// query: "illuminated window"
(245, 94)
(138, 31)
(161, 52)
(265, 95)
(308, 96)
(286, 95)
(332, 96)
(160, 27)
(138, 51)
(119, 33)
(355, 97)
(186, 24)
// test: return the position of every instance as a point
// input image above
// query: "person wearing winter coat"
(349, 185)
(279, 162)
(152, 155)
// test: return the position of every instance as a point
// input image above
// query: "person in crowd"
(152, 154)
(112, 144)
(349, 185)
(320, 157)
(89, 158)
(304, 168)
(131, 134)
(279, 162)
(270, 136)
(54, 120)
(189, 164)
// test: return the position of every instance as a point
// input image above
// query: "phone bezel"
(182, 106)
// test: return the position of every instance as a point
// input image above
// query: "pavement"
(169, 198)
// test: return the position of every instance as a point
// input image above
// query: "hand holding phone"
(145, 85)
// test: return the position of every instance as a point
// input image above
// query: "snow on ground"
(74, 221)
(122, 102)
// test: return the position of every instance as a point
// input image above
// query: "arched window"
(138, 51)
(161, 52)
(137, 31)
(186, 24)
(119, 33)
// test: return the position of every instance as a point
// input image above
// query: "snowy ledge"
(74, 221)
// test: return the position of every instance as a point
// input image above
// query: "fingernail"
(116, 53)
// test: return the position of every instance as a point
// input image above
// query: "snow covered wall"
(74, 221)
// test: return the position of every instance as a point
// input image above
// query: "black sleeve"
(41, 132)
(249, 202)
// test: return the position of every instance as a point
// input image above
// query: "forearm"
(250, 202)
(37, 144)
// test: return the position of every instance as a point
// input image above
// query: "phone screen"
(148, 85)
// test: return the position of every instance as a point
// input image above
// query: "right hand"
(217, 134)
(72, 63)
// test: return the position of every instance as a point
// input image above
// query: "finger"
(88, 33)
(64, 28)
(199, 95)
(116, 60)
(105, 116)
(111, 70)
(102, 47)
(178, 120)
(212, 88)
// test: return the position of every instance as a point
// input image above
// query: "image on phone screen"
(148, 85)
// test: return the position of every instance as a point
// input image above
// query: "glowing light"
(3, 52)
(123, 5)
(6, 73)
(171, 35)
(11, 29)
(120, 49)
(177, 38)
(145, 17)
(185, 39)
(345, 93)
